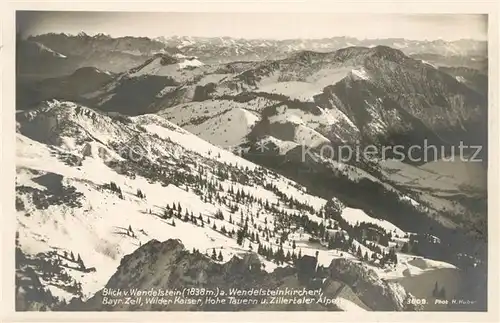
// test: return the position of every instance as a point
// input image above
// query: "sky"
(256, 25)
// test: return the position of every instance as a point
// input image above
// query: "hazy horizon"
(247, 38)
(277, 26)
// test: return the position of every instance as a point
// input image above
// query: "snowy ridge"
(228, 129)
(44, 49)
(283, 146)
(295, 90)
(360, 74)
(354, 216)
(161, 66)
(190, 63)
(194, 113)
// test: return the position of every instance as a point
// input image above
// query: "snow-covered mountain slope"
(353, 94)
(224, 123)
(368, 90)
(92, 188)
(362, 104)
(361, 96)
(229, 129)
(374, 95)
(164, 65)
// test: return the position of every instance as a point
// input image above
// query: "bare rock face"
(306, 267)
(168, 266)
(364, 282)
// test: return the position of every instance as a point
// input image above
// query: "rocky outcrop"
(365, 283)
(169, 266)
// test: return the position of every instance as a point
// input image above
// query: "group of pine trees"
(335, 241)
(210, 189)
(339, 241)
(130, 232)
(114, 188)
(78, 260)
(292, 202)
(214, 255)
(140, 194)
(278, 255)
(50, 270)
(176, 210)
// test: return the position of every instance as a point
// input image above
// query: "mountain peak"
(166, 59)
(389, 53)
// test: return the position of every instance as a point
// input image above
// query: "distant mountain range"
(257, 49)
(122, 53)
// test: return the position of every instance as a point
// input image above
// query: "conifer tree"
(435, 291)
(80, 261)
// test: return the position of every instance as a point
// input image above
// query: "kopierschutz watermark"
(415, 153)
(342, 153)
